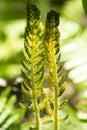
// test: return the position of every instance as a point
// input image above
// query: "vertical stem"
(55, 92)
(36, 114)
(56, 109)
(55, 100)
(34, 96)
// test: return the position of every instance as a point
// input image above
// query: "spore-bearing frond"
(33, 63)
(52, 56)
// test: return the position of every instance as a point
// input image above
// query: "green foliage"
(42, 54)
(73, 122)
(73, 47)
(11, 117)
(84, 2)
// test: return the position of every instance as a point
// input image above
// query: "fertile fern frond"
(33, 64)
(52, 46)
(52, 54)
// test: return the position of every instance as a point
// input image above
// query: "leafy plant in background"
(10, 117)
(42, 84)
(85, 5)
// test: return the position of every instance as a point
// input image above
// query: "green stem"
(55, 93)
(55, 100)
(34, 96)
(56, 108)
(36, 114)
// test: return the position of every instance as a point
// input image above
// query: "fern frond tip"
(53, 15)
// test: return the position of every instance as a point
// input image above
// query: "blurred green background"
(73, 30)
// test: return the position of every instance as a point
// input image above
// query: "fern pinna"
(41, 57)
(33, 63)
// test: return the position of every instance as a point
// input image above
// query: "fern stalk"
(51, 44)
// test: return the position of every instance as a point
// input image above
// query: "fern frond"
(10, 117)
(52, 56)
(52, 47)
(33, 64)
(51, 44)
